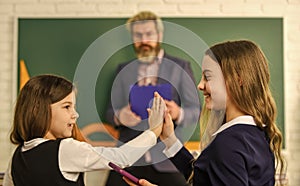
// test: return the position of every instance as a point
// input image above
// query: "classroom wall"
(288, 9)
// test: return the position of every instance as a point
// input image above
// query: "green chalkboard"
(60, 46)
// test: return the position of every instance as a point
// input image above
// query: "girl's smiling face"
(212, 84)
(64, 117)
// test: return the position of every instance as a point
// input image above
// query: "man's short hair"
(145, 16)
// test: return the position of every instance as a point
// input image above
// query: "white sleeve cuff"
(170, 152)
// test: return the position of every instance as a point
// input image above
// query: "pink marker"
(124, 173)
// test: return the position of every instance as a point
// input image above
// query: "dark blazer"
(184, 92)
(239, 155)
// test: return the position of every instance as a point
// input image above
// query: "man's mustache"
(145, 45)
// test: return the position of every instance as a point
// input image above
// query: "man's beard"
(146, 53)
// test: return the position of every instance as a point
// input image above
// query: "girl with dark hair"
(47, 155)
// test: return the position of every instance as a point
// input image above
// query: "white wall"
(288, 9)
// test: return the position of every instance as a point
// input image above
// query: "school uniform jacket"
(239, 155)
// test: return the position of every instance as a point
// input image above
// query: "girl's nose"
(201, 85)
(75, 115)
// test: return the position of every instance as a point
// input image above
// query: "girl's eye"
(67, 106)
(206, 77)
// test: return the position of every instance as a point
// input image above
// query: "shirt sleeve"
(170, 152)
(75, 156)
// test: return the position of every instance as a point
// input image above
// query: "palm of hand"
(156, 113)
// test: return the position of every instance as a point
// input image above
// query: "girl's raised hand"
(156, 114)
(168, 135)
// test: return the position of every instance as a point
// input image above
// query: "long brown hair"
(32, 116)
(243, 63)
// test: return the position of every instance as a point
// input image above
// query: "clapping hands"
(160, 121)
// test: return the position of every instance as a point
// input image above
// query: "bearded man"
(152, 67)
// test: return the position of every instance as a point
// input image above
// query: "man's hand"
(173, 109)
(128, 118)
(156, 114)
